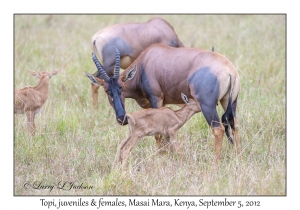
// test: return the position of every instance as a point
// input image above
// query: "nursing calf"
(30, 100)
(163, 121)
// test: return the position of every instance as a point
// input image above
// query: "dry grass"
(76, 143)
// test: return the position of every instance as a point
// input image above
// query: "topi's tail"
(227, 117)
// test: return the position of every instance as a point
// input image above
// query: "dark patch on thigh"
(109, 53)
(206, 85)
(146, 88)
(206, 88)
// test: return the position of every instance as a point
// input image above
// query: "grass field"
(75, 143)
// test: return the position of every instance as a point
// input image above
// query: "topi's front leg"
(95, 89)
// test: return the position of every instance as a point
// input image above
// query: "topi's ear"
(54, 72)
(129, 74)
(95, 80)
(35, 74)
(185, 99)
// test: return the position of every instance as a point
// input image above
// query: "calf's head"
(112, 86)
(190, 104)
(42, 75)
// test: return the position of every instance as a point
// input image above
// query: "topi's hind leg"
(211, 115)
(227, 117)
(207, 94)
(236, 136)
(218, 134)
(235, 131)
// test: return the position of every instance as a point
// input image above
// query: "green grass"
(76, 143)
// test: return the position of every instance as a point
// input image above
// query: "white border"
(6, 22)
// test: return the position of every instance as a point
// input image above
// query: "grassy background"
(76, 143)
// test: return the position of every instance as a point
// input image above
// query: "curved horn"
(117, 66)
(100, 68)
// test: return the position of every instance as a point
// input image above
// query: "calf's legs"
(30, 122)
(167, 143)
(126, 147)
(162, 143)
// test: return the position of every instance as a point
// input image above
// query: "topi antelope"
(30, 100)
(163, 121)
(160, 72)
(130, 39)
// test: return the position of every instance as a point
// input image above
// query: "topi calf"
(30, 100)
(163, 121)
